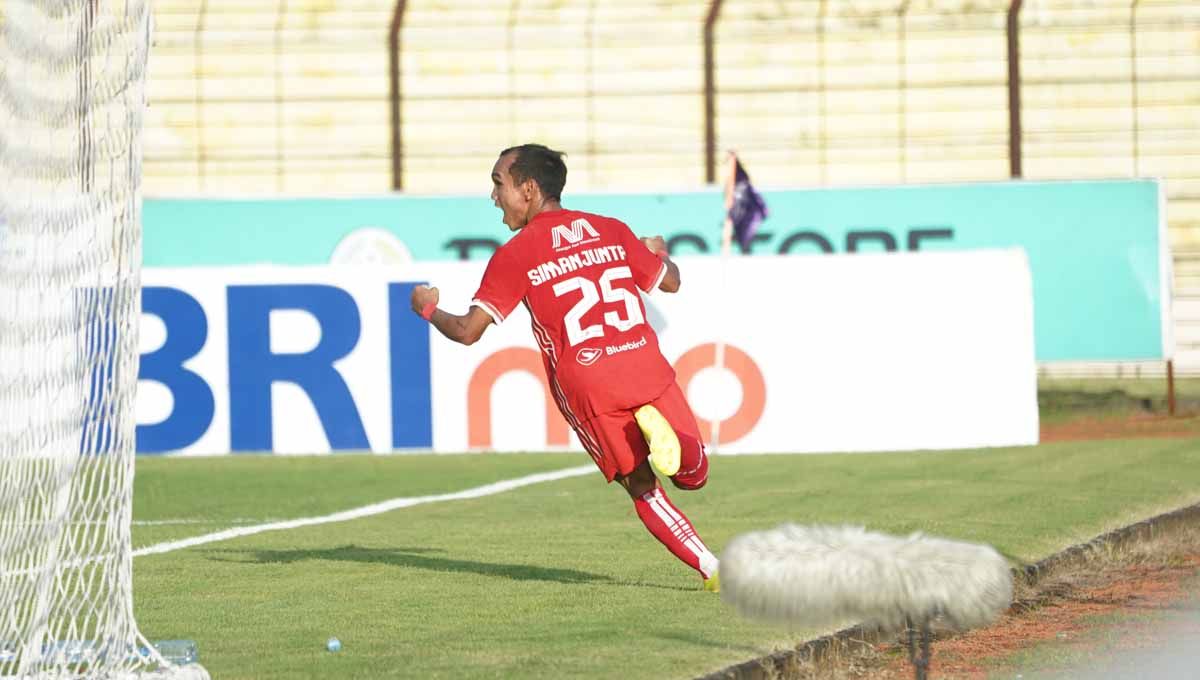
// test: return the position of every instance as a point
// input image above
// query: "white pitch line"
(368, 510)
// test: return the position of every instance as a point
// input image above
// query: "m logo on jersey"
(588, 355)
(580, 233)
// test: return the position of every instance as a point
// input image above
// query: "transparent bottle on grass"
(178, 652)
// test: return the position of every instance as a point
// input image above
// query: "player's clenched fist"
(656, 244)
(422, 296)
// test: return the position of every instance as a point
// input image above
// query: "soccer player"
(581, 277)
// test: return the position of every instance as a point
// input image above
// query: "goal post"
(72, 98)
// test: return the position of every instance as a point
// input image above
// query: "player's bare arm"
(465, 329)
(658, 245)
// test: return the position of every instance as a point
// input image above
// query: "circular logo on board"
(371, 246)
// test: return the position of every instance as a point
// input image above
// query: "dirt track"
(1130, 427)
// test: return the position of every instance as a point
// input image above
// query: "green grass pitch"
(560, 579)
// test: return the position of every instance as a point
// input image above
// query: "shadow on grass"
(415, 558)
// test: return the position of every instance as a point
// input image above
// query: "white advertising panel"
(838, 353)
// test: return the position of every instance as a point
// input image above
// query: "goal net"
(72, 95)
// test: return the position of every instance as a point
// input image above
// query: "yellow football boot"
(660, 436)
(713, 583)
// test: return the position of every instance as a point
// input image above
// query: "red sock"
(693, 464)
(673, 530)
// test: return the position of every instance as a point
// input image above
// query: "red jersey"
(579, 275)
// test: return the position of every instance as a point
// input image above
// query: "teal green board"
(1095, 248)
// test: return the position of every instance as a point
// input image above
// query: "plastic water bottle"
(178, 652)
(70, 651)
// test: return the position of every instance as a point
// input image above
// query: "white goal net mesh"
(72, 95)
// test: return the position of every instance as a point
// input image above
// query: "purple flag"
(748, 209)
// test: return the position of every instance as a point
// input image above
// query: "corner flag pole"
(714, 440)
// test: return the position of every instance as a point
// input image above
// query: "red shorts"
(616, 443)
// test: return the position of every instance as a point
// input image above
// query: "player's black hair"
(541, 164)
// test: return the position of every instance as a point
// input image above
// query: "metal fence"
(288, 96)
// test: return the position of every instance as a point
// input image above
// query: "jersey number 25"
(576, 333)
